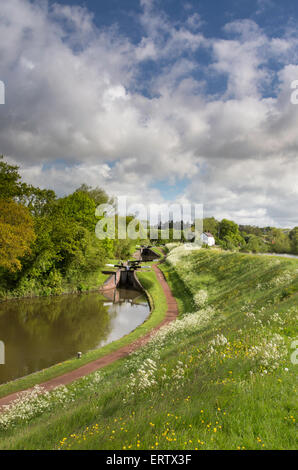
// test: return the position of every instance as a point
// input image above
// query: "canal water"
(40, 332)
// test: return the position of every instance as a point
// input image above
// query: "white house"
(208, 238)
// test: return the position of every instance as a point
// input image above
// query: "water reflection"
(44, 331)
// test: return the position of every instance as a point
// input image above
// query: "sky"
(158, 100)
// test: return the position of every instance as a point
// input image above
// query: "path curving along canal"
(67, 378)
(43, 331)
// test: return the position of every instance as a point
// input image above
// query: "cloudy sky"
(159, 100)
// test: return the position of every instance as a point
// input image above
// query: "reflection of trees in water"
(125, 295)
(40, 332)
(82, 317)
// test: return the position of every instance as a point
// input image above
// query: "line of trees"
(249, 238)
(48, 243)
(246, 238)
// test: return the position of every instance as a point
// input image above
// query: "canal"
(40, 332)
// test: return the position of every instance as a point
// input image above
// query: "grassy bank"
(220, 377)
(157, 302)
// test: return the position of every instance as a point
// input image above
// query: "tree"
(256, 244)
(229, 235)
(39, 201)
(227, 228)
(16, 234)
(280, 241)
(10, 185)
(78, 207)
(294, 240)
(251, 229)
(98, 195)
(210, 224)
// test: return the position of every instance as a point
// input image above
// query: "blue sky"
(273, 15)
(158, 100)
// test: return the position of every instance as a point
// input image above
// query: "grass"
(153, 291)
(220, 377)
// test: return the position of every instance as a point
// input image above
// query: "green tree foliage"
(227, 228)
(61, 234)
(255, 244)
(210, 224)
(229, 235)
(10, 184)
(39, 201)
(48, 242)
(251, 229)
(78, 207)
(16, 234)
(279, 241)
(98, 195)
(122, 249)
(294, 240)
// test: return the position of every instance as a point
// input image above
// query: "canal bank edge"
(162, 313)
(36, 378)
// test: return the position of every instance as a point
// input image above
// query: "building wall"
(208, 240)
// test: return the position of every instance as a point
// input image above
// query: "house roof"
(209, 234)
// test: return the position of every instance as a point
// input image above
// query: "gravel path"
(171, 315)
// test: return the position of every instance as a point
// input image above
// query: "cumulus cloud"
(84, 105)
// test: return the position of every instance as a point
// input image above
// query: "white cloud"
(76, 94)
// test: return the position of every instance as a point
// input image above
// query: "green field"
(220, 377)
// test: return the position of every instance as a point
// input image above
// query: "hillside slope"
(220, 377)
